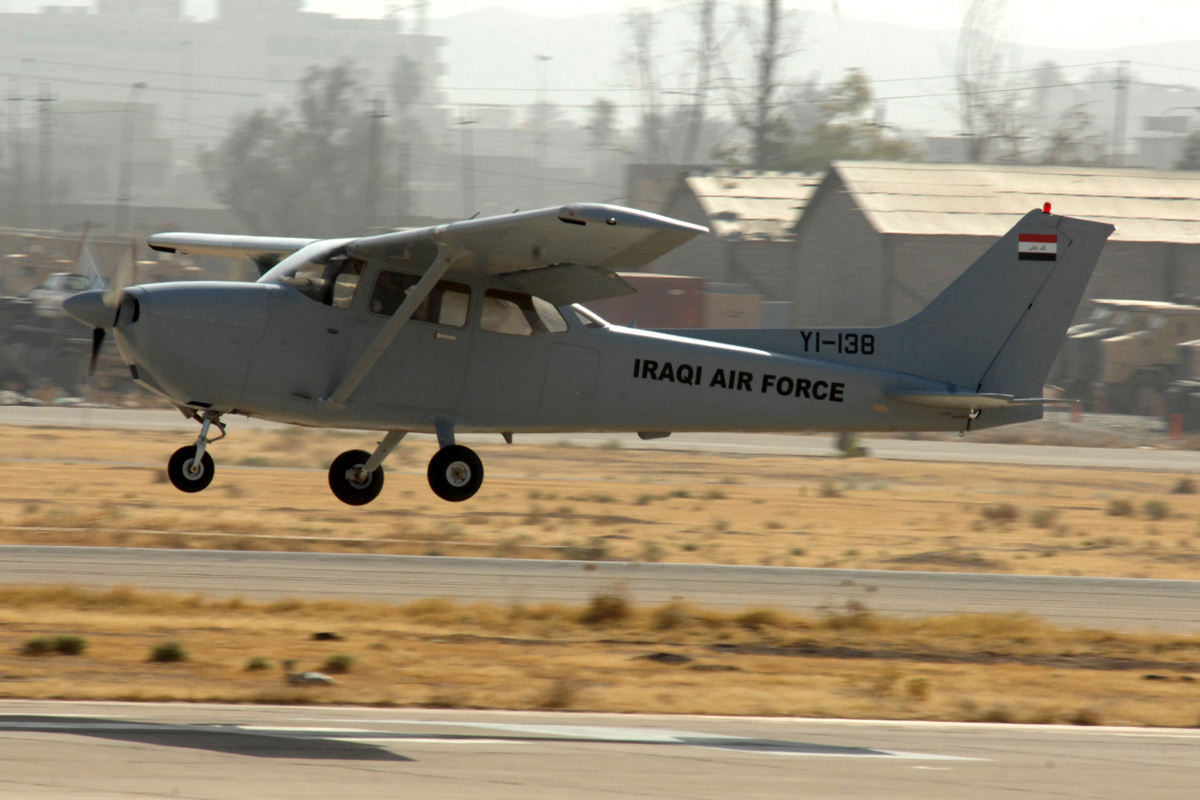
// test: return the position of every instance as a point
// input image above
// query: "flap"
(563, 284)
(582, 234)
(216, 244)
(967, 401)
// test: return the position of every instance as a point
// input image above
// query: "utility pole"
(468, 167)
(1120, 113)
(404, 194)
(18, 160)
(541, 111)
(185, 102)
(124, 176)
(45, 155)
(371, 187)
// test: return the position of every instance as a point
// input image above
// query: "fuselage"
(268, 350)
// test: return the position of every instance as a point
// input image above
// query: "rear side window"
(446, 305)
(519, 314)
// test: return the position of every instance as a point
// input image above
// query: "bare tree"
(641, 24)
(706, 55)
(978, 64)
(771, 40)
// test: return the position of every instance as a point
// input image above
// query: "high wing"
(566, 254)
(265, 251)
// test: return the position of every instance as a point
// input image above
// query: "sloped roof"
(986, 199)
(753, 204)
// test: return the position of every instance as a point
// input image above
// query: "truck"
(1123, 358)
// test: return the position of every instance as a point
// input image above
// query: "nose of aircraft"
(89, 308)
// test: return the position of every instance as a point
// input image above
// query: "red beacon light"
(1046, 208)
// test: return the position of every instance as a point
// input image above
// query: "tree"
(706, 54)
(985, 105)
(641, 24)
(846, 131)
(771, 41)
(298, 173)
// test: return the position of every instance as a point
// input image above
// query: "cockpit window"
(1101, 313)
(446, 305)
(327, 275)
(519, 314)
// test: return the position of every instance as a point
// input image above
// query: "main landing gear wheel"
(455, 473)
(186, 474)
(348, 484)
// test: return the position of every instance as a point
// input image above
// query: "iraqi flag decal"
(1037, 247)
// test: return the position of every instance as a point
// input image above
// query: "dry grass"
(616, 504)
(847, 662)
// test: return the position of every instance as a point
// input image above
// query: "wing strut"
(409, 307)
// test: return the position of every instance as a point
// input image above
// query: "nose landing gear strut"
(191, 468)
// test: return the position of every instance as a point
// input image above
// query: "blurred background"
(850, 157)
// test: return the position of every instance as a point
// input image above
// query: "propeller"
(111, 296)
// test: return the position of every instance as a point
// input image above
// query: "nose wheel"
(191, 468)
(188, 473)
(455, 473)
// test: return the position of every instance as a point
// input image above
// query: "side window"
(446, 305)
(519, 314)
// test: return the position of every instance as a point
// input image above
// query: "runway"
(1109, 603)
(957, 451)
(87, 751)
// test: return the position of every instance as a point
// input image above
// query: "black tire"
(455, 473)
(346, 490)
(181, 462)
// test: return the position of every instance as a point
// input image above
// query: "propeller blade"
(124, 273)
(97, 343)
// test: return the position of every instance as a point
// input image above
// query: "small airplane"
(476, 326)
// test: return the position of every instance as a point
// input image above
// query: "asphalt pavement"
(116, 751)
(1109, 603)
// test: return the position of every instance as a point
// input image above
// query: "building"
(878, 240)
(752, 217)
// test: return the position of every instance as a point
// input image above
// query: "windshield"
(322, 271)
(1101, 313)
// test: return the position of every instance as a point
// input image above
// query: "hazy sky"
(1063, 23)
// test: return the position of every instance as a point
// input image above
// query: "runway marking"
(593, 734)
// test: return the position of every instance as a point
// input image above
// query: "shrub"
(37, 647)
(1085, 716)
(714, 494)
(1119, 507)
(689, 547)
(758, 618)
(918, 688)
(339, 664)
(651, 552)
(1043, 517)
(560, 694)
(168, 652)
(596, 549)
(1156, 509)
(798, 551)
(605, 608)
(829, 489)
(70, 645)
(257, 664)
(671, 615)
(1001, 512)
(1184, 486)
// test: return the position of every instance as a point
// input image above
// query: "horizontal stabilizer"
(967, 401)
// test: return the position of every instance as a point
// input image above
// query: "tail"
(996, 329)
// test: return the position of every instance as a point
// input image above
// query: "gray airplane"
(476, 326)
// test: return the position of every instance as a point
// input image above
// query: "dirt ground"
(99, 487)
(604, 657)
